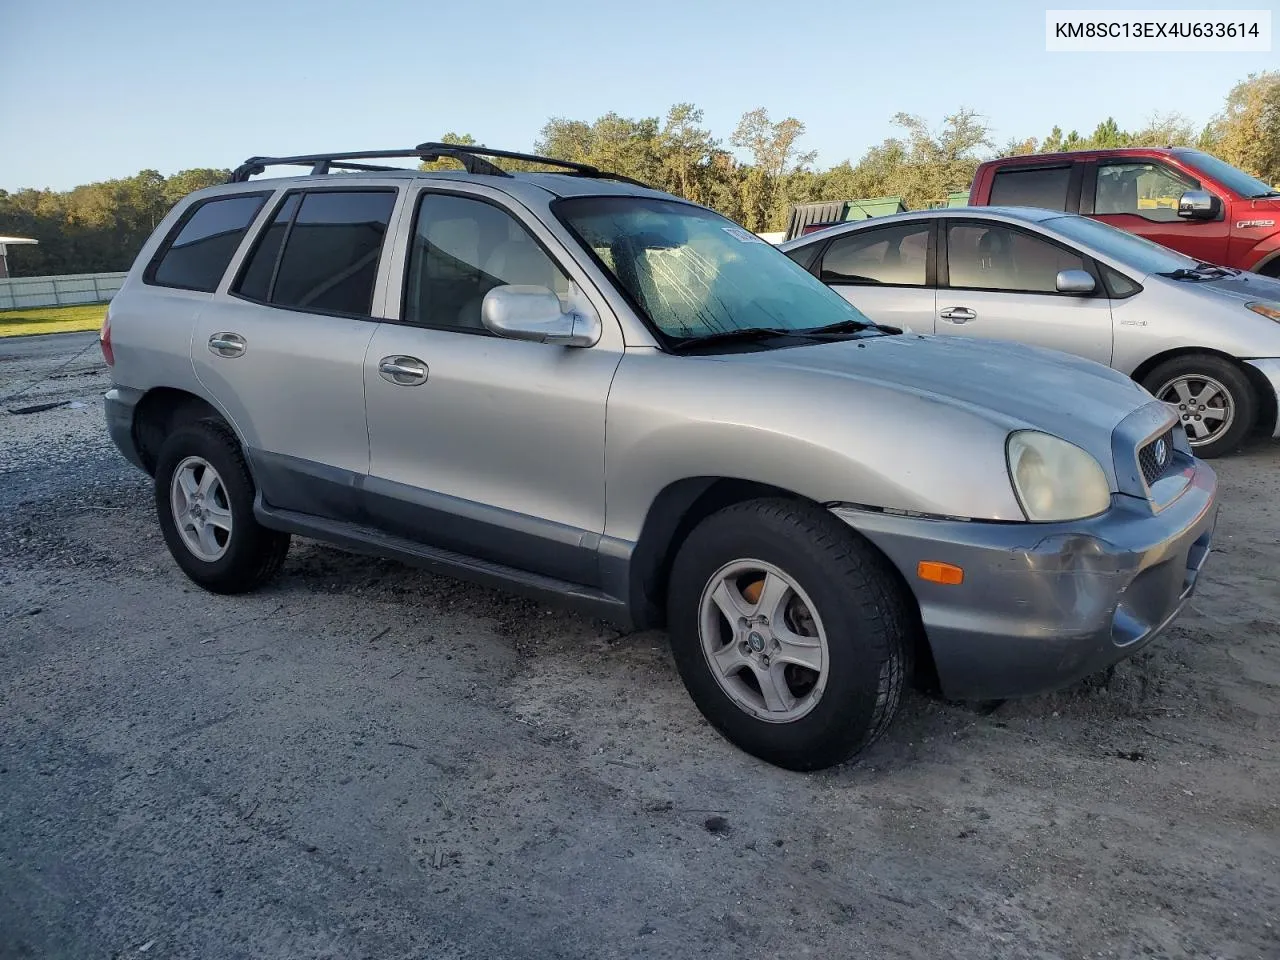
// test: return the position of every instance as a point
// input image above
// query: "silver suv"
(568, 384)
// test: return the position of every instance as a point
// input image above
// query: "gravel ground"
(366, 761)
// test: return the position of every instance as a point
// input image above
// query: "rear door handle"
(402, 371)
(958, 314)
(227, 344)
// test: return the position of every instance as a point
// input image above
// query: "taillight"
(104, 340)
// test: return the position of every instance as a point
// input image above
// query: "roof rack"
(472, 159)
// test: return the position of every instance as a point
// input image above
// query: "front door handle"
(958, 314)
(402, 371)
(227, 345)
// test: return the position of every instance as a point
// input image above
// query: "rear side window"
(1043, 187)
(891, 255)
(206, 239)
(320, 252)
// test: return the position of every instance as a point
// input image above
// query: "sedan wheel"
(1212, 398)
(1204, 406)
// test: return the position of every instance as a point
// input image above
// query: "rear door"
(886, 272)
(1051, 185)
(1140, 195)
(999, 282)
(281, 348)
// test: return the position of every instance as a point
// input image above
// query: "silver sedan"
(1204, 339)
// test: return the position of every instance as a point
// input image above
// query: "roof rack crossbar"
(572, 166)
(472, 159)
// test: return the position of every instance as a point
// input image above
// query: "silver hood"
(1014, 385)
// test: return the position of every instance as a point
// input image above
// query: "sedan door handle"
(402, 371)
(227, 344)
(958, 315)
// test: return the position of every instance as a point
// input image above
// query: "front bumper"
(1270, 370)
(1044, 605)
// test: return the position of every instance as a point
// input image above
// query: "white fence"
(61, 291)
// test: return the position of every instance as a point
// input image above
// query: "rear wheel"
(204, 501)
(1212, 398)
(789, 632)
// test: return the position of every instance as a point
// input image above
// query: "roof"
(1015, 214)
(1065, 155)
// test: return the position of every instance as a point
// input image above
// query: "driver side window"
(891, 256)
(1147, 190)
(461, 249)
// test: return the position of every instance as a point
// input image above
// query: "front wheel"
(1212, 398)
(789, 632)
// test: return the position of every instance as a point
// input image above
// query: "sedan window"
(990, 256)
(895, 256)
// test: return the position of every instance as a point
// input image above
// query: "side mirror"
(1199, 205)
(1075, 281)
(521, 312)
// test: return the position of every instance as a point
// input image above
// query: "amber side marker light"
(937, 572)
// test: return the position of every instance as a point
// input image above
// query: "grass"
(33, 320)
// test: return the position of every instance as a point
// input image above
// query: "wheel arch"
(682, 505)
(1267, 401)
(160, 411)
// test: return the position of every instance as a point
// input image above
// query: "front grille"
(1153, 466)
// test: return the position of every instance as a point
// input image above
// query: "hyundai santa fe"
(570, 385)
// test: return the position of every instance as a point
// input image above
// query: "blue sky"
(90, 91)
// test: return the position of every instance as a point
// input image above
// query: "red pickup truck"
(1185, 199)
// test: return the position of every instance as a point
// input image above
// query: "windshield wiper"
(1263, 196)
(849, 326)
(743, 334)
(1201, 271)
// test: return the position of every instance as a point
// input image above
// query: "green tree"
(1247, 131)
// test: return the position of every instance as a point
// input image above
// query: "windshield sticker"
(741, 235)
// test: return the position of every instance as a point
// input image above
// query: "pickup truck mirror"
(1199, 205)
(530, 312)
(1075, 281)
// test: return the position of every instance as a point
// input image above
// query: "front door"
(1141, 196)
(1000, 283)
(884, 272)
(282, 346)
(487, 446)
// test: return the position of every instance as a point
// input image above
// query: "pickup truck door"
(998, 282)
(886, 272)
(1140, 195)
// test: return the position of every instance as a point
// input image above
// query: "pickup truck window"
(1251, 188)
(1035, 187)
(1140, 188)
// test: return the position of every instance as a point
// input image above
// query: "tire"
(1226, 382)
(238, 559)
(860, 609)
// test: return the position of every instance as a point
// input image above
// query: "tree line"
(754, 178)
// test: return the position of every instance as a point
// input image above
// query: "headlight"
(1270, 310)
(1055, 480)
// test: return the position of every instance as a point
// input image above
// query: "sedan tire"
(1212, 398)
(790, 632)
